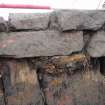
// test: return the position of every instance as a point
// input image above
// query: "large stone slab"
(23, 21)
(40, 43)
(96, 47)
(80, 20)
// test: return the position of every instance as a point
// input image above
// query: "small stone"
(96, 47)
(3, 25)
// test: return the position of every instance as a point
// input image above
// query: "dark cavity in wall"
(102, 65)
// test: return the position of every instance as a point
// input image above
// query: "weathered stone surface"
(40, 43)
(20, 83)
(76, 84)
(3, 25)
(80, 20)
(96, 46)
(73, 90)
(22, 21)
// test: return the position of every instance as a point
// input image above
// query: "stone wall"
(53, 58)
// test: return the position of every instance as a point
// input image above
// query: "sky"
(55, 4)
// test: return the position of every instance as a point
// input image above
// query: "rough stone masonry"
(55, 58)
